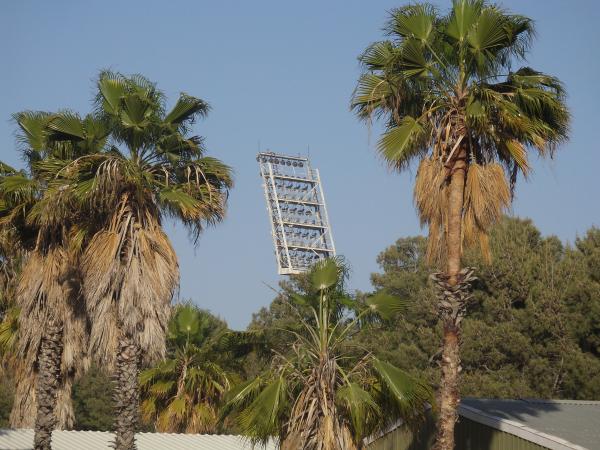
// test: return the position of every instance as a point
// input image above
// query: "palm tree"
(450, 98)
(152, 170)
(38, 211)
(327, 394)
(11, 259)
(183, 392)
(16, 238)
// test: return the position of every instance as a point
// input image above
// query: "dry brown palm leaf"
(487, 196)
(44, 291)
(22, 414)
(130, 274)
(314, 423)
(41, 298)
(48, 290)
(431, 198)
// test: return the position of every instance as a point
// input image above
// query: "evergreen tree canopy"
(534, 323)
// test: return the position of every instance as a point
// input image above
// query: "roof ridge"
(25, 430)
(561, 401)
(192, 434)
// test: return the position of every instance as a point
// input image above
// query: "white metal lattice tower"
(297, 211)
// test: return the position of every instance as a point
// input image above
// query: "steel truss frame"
(297, 212)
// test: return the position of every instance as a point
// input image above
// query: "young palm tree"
(39, 213)
(327, 394)
(152, 170)
(183, 392)
(446, 88)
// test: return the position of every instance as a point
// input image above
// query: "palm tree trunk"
(23, 412)
(126, 394)
(47, 384)
(449, 392)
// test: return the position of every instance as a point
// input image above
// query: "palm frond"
(462, 18)
(262, 419)
(361, 407)
(415, 21)
(400, 144)
(33, 135)
(324, 275)
(186, 109)
(386, 305)
(111, 89)
(67, 125)
(410, 395)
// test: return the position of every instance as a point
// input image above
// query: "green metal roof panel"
(576, 422)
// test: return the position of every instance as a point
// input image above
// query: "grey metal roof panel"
(576, 422)
(98, 440)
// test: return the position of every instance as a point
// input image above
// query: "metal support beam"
(297, 212)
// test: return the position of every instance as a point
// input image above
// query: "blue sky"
(279, 74)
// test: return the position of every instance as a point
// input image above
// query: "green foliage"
(316, 366)
(92, 401)
(155, 157)
(387, 306)
(193, 326)
(533, 324)
(183, 393)
(459, 66)
(6, 397)
(449, 91)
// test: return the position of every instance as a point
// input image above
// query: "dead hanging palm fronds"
(52, 336)
(130, 273)
(22, 414)
(487, 196)
(48, 290)
(40, 297)
(314, 421)
(431, 200)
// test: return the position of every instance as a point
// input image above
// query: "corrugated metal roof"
(576, 422)
(99, 440)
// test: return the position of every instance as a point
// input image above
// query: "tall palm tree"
(38, 210)
(152, 170)
(16, 239)
(450, 98)
(11, 259)
(183, 393)
(327, 394)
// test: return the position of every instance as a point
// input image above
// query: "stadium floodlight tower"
(297, 211)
